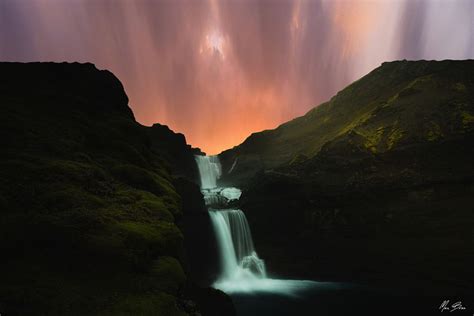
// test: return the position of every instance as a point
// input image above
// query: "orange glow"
(218, 71)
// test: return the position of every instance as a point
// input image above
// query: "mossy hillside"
(423, 100)
(388, 199)
(87, 200)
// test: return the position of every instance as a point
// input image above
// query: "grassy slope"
(375, 185)
(87, 204)
(400, 98)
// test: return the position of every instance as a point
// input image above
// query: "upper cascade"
(209, 170)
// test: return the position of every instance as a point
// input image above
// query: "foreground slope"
(375, 185)
(88, 201)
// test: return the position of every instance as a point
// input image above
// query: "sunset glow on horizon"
(218, 71)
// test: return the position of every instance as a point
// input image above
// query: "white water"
(241, 268)
(209, 170)
(231, 194)
(238, 256)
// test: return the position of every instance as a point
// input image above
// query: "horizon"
(218, 71)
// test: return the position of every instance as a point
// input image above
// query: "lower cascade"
(241, 268)
(238, 255)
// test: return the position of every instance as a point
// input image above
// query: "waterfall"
(238, 256)
(209, 170)
(241, 269)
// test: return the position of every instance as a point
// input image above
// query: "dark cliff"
(91, 200)
(375, 185)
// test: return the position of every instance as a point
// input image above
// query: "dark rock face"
(200, 242)
(180, 158)
(90, 199)
(375, 185)
(210, 302)
(93, 91)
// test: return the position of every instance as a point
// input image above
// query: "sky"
(218, 71)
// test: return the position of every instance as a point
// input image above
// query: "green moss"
(144, 305)
(434, 132)
(407, 92)
(126, 195)
(127, 152)
(74, 170)
(391, 100)
(71, 197)
(108, 243)
(152, 238)
(141, 232)
(396, 134)
(467, 119)
(421, 82)
(173, 204)
(356, 122)
(156, 209)
(139, 178)
(373, 138)
(459, 86)
(83, 219)
(300, 158)
(169, 273)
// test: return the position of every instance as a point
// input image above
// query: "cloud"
(220, 70)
